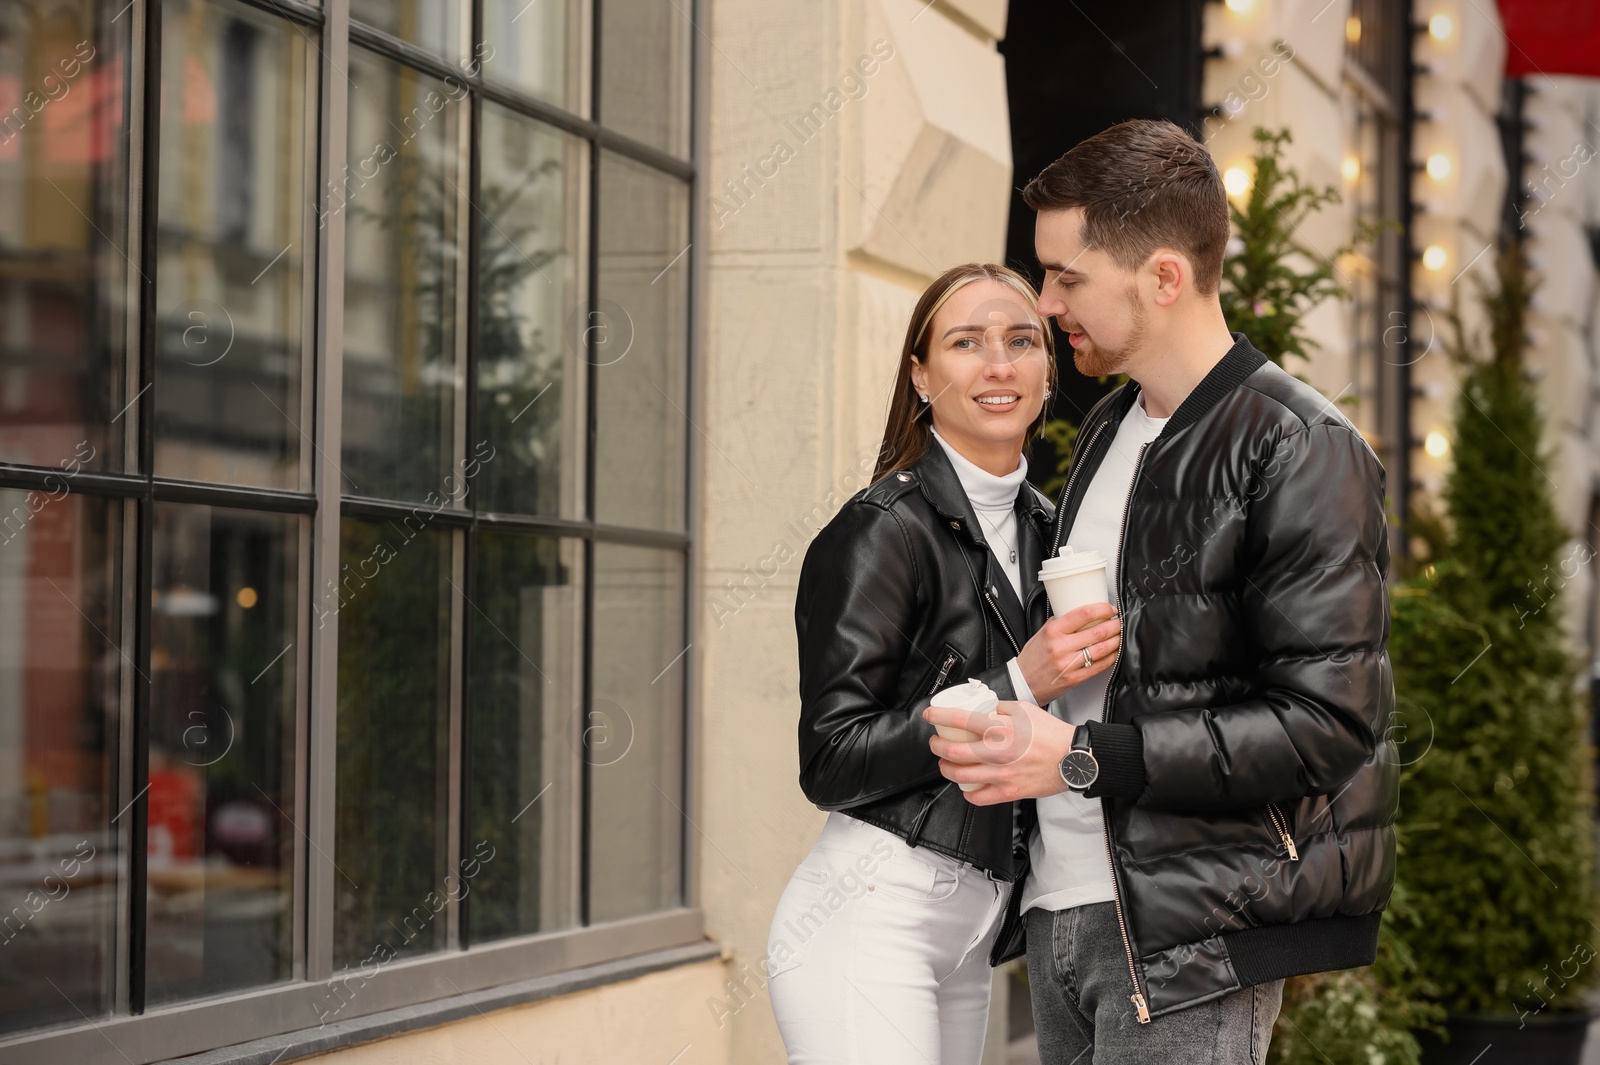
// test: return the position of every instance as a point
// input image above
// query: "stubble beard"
(1092, 360)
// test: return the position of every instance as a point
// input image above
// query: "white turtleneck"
(994, 500)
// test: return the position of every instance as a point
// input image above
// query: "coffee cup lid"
(972, 695)
(1068, 562)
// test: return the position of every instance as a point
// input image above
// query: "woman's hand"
(1052, 661)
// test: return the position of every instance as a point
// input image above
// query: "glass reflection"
(529, 397)
(639, 341)
(231, 245)
(221, 803)
(390, 891)
(60, 675)
(632, 737)
(398, 202)
(644, 71)
(433, 24)
(522, 790)
(528, 45)
(64, 265)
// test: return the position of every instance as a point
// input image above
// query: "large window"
(344, 528)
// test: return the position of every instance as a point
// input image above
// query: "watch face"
(1079, 769)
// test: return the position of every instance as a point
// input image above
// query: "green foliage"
(1359, 1016)
(1495, 810)
(1342, 1018)
(1266, 289)
(1062, 435)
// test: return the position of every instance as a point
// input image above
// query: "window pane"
(644, 71)
(221, 800)
(523, 784)
(529, 394)
(63, 233)
(433, 24)
(532, 45)
(394, 697)
(399, 203)
(639, 340)
(231, 248)
(633, 732)
(60, 673)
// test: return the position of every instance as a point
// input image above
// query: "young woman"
(881, 945)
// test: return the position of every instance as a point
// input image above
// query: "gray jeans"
(1078, 977)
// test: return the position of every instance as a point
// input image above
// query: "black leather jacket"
(1248, 777)
(900, 596)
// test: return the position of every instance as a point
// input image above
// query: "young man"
(1214, 813)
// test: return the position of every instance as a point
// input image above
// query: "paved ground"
(1026, 1052)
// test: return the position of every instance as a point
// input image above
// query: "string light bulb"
(1351, 169)
(1236, 181)
(1441, 26)
(1435, 258)
(1436, 444)
(1438, 166)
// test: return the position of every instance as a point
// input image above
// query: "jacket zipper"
(1003, 626)
(1137, 998)
(1066, 495)
(1280, 824)
(944, 671)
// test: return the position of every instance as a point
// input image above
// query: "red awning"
(1552, 37)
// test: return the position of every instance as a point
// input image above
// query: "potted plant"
(1495, 816)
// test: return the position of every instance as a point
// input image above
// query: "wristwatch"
(1078, 768)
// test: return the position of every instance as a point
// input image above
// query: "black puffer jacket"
(1250, 783)
(900, 596)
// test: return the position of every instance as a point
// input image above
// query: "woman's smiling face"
(986, 368)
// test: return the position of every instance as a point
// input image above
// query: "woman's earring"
(924, 396)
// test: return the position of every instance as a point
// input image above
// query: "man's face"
(1094, 301)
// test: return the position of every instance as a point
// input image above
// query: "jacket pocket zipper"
(1280, 825)
(944, 671)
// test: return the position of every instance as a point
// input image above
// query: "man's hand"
(1018, 757)
(1052, 660)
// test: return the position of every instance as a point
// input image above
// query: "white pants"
(879, 952)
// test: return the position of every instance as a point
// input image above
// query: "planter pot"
(1546, 1038)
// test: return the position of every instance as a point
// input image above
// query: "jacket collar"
(939, 484)
(1240, 362)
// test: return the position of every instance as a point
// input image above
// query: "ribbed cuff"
(1119, 751)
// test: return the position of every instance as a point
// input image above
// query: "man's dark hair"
(1142, 185)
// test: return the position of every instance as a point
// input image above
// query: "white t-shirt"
(1070, 866)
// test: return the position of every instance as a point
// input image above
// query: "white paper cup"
(972, 695)
(1073, 579)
